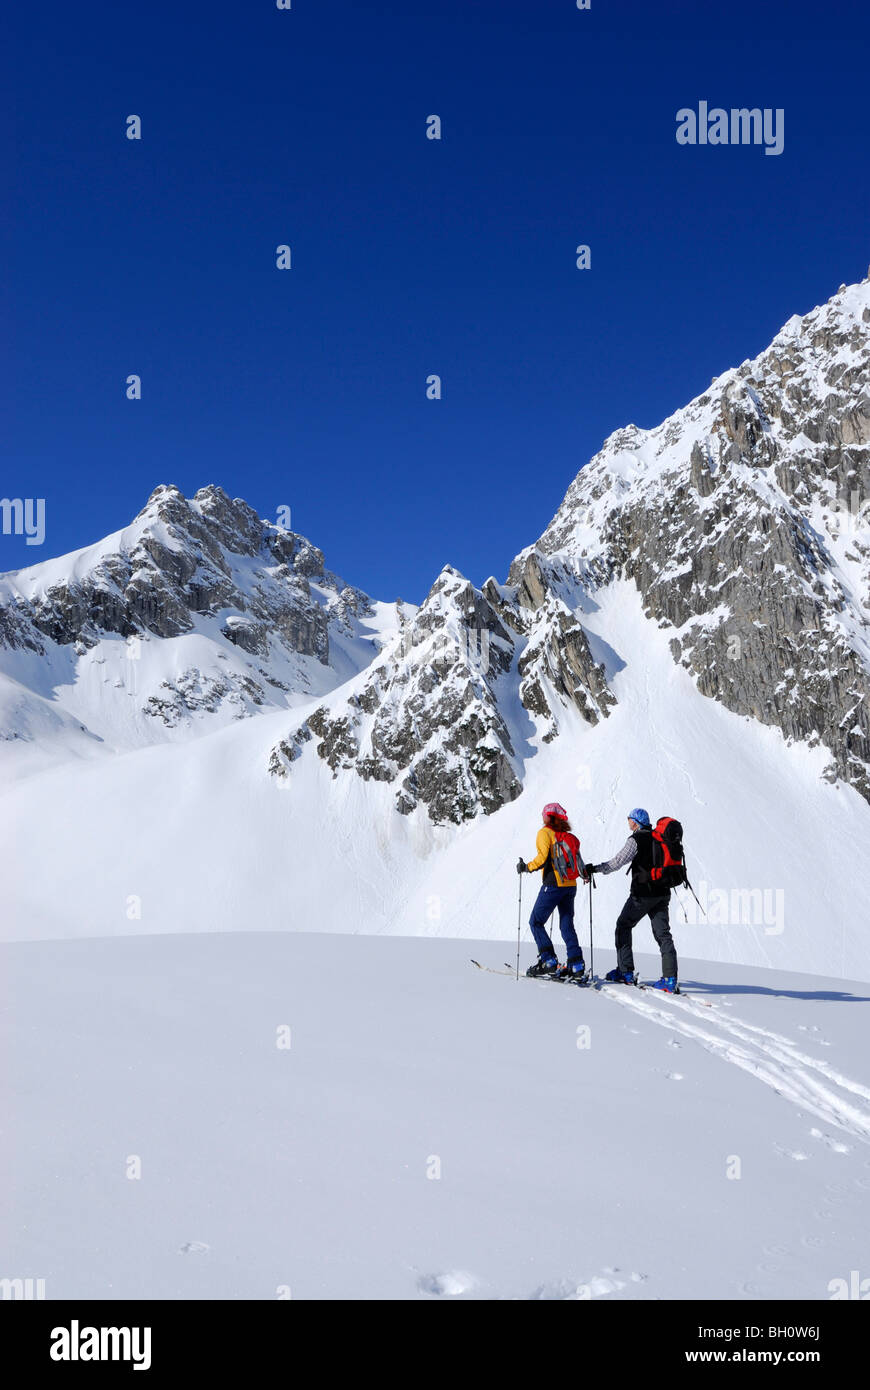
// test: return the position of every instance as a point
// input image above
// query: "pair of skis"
(659, 993)
(590, 982)
(511, 971)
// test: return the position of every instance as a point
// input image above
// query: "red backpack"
(668, 862)
(566, 855)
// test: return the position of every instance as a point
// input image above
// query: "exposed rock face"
(558, 659)
(557, 667)
(744, 522)
(287, 751)
(427, 715)
(193, 692)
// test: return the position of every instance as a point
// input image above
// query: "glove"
(591, 869)
(522, 867)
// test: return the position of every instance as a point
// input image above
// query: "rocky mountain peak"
(257, 598)
(743, 520)
(426, 717)
(436, 714)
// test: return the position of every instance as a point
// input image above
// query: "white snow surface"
(280, 1115)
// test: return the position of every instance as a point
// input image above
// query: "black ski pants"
(657, 910)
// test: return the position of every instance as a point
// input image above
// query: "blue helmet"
(640, 815)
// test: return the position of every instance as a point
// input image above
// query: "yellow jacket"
(543, 843)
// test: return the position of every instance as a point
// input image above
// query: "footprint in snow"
(193, 1247)
(448, 1284)
(675, 1076)
(814, 1028)
(791, 1153)
(567, 1291)
(634, 1276)
(835, 1145)
(672, 1042)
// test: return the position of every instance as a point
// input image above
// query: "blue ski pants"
(548, 899)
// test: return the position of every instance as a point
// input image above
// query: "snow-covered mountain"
(197, 614)
(690, 633)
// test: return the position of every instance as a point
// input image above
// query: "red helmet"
(553, 808)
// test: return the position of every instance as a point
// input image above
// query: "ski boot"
(544, 966)
(668, 983)
(621, 977)
(574, 973)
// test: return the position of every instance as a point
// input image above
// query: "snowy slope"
(430, 1132)
(209, 841)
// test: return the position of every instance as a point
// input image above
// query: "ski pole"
(519, 920)
(591, 956)
(694, 894)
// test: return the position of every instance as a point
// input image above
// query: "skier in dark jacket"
(645, 899)
(556, 892)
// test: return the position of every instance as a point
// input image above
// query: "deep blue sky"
(307, 387)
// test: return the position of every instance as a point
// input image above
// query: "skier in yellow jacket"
(556, 848)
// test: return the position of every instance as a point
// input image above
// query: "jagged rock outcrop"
(557, 668)
(427, 715)
(558, 659)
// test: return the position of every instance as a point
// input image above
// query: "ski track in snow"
(770, 1057)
